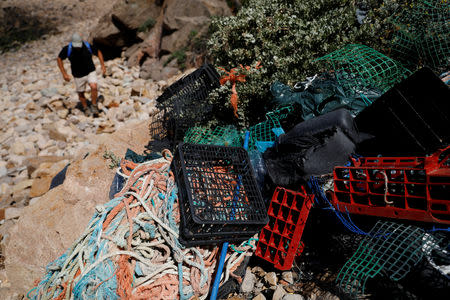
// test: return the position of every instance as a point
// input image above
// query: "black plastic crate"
(219, 197)
(181, 106)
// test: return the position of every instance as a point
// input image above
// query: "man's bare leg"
(83, 99)
(94, 93)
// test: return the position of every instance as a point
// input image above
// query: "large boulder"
(119, 27)
(181, 12)
(47, 227)
(173, 24)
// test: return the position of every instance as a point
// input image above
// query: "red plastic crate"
(280, 240)
(418, 188)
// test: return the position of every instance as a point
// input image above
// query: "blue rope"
(180, 284)
(320, 195)
(434, 229)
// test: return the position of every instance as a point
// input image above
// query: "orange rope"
(234, 77)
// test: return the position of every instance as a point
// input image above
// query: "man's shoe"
(87, 112)
(95, 110)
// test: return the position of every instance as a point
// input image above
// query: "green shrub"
(180, 56)
(286, 36)
(148, 24)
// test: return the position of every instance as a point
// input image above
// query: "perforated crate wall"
(219, 198)
(182, 105)
(413, 188)
(280, 240)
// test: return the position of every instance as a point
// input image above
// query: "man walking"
(80, 54)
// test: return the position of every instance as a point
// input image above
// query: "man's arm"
(102, 63)
(63, 71)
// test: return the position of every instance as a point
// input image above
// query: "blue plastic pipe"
(223, 253)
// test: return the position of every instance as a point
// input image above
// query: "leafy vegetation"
(287, 36)
(148, 24)
(180, 56)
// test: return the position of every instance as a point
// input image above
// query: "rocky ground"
(39, 114)
(41, 128)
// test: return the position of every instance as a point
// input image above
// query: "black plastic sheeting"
(59, 178)
(313, 147)
(411, 119)
(320, 95)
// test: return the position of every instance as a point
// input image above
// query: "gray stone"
(287, 276)
(13, 212)
(259, 297)
(3, 171)
(271, 278)
(279, 293)
(248, 283)
(49, 92)
(292, 297)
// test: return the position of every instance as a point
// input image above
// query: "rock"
(18, 148)
(271, 278)
(49, 169)
(63, 113)
(40, 186)
(5, 189)
(20, 198)
(154, 69)
(34, 163)
(74, 120)
(182, 37)
(34, 200)
(106, 127)
(259, 297)
(292, 297)
(49, 92)
(3, 170)
(22, 185)
(57, 131)
(118, 28)
(135, 135)
(248, 283)
(13, 212)
(61, 145)
(287, 276)
(279, 293)
(47, 228)
(179, 12)
(259, 271)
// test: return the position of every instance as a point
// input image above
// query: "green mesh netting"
(391, 247)
(422, 35)
(360, 68)
(268, 130)
(221, 135)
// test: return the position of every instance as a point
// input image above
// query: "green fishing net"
(389, 247)
(422, 35)
(359, 68)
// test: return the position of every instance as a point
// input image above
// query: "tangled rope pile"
(130, 248)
